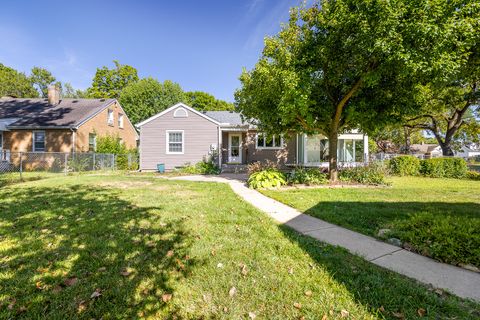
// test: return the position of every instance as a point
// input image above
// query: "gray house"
(181, 134)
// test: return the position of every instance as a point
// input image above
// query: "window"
(120, 120)
(92, 142)
(1, 140)
(38, 141)
(269, 141)
(110, 117)
(175, 142)
(180, 113)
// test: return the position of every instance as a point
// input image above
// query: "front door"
(234, 148)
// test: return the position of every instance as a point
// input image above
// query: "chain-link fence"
(25, 164)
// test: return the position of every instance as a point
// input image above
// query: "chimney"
(53, 95)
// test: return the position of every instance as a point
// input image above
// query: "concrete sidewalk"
(463, 283)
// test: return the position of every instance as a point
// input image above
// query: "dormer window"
(180, 113)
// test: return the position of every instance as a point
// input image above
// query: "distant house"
(181, 134)
(469, 151)
(426, 150)
(61, 125)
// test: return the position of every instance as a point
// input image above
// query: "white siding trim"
(167, 142)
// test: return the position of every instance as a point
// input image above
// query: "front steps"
(234, 168)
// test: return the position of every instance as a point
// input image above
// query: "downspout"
(219, 147)
(74, 139)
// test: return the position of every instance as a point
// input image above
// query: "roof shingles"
(38, 113)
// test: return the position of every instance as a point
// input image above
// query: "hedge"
(444, 168)
(404, 166)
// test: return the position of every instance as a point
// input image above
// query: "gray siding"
(199, 134)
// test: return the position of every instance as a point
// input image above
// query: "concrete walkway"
(463, 283)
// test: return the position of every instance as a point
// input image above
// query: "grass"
(117, 247)
(406, 205)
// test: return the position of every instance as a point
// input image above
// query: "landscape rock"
(395, 242)
(383, 232)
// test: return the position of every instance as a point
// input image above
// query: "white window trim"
(185, 115)
(94, 142)
(167, 142)
(44, 141)
(282, 143)
(110, 123)
(121, 120)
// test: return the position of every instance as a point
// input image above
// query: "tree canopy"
(348, 64)
(15, 84)
(205, 101)
(146, 97)
(108, 83)
(41, 78)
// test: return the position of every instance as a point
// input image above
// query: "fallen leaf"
(96, 293)
(439, 291)
(170, 253)
(344, 313)
(225, 309)
(244, 270)
(82, 306)
(297, 305)
(70, 281)
(12, 304)
(232, 291)
(213, 252)
(39, 285)
(381, 309)
(252, 315)
(290, 271)
(398, 315)
(421, 312)
(331, 312)
(125, 272)
(324, 317)
(22, 309)
(102, 269)
(237, 227)
(166, 297)
(207, 298)
(308, 293)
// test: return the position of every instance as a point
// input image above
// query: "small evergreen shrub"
(265, 179)
(307, 176)
(404, 166)
(449, 239)
(473, 175)
(373, 173)
(444, 168)
(202, 167)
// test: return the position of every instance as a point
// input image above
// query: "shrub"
(307, 176)
(473, 175)
(444, 168)
(113, 145)
(404, 166)
(269, 178)
(449, 239)
(202, 167)
(373, 173)
(260, 166)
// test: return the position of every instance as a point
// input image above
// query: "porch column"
(219, 147)
(365, 148)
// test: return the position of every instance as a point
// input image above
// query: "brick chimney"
(53, 95)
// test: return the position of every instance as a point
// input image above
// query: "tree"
(108, 83)
(69, 92)
(15, 84)
(145, 98)
(41, 79)
(348, 64)
(450, 109)
(204, 101)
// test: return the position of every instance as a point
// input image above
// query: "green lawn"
(437, 217)
(123, 247)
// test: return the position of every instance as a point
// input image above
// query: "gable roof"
(38, 113)
(138, 125)
(230, 118)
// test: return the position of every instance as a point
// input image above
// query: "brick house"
(61, 125)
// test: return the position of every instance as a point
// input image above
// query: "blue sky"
(202, 45)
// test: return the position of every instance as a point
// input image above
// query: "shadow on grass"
(58, 246)
(385, 293)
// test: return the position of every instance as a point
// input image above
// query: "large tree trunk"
(332, 155)
(408, 142)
